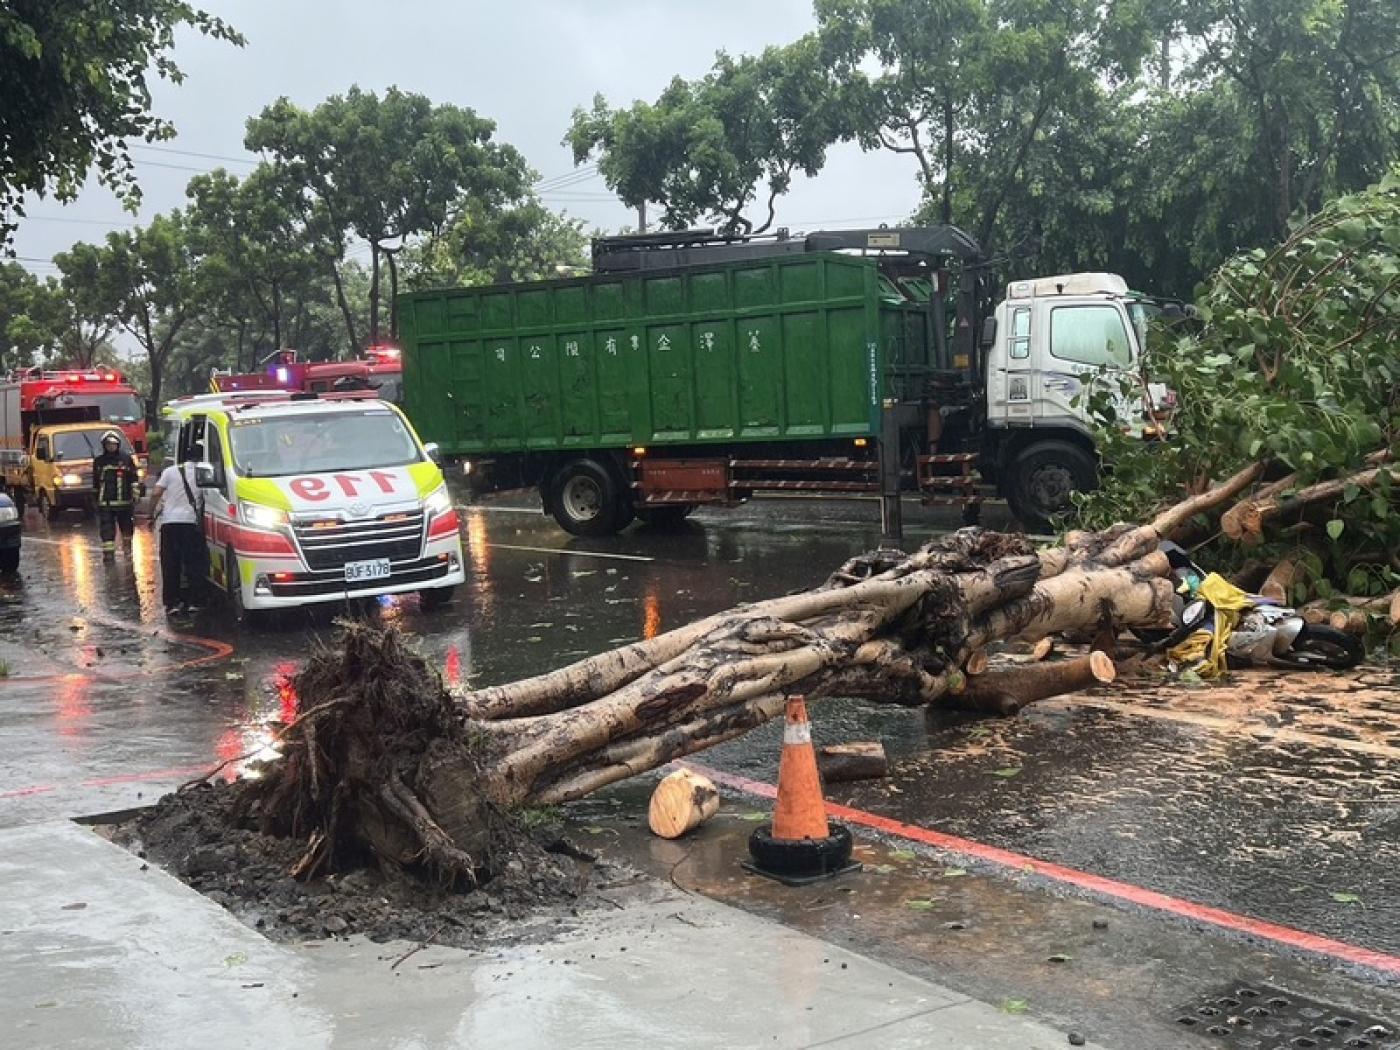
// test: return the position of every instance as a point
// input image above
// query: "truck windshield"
(114, 408)
(82, 444)
(313, 444)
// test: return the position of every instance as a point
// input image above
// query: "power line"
(193, 153)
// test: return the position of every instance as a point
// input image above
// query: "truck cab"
(1054, 341)
(59, 467)
(309, 499)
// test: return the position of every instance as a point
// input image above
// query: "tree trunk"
(345, 310)
(861, 760)
(681, 802)
(382, 758)
(373, 293)
(1007, 692)
(393, 295)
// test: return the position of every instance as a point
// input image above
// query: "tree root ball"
(377, 766)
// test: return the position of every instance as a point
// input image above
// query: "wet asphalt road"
(1282, 804)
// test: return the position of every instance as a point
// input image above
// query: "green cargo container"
(799, 348)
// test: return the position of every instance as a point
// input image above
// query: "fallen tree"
(384, 763)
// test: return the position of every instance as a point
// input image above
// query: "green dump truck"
(693, 369)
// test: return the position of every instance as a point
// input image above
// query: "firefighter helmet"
(113, 437)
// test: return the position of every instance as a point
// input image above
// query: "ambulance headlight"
(261, 517)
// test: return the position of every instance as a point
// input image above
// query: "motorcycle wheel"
(1317, 647)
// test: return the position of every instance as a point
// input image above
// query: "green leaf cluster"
(1299, 366)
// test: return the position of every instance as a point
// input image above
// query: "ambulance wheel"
(253, 618)
(430, 598)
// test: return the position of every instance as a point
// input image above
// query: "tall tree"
(30, 326)
(495, 246)
(711, 147)
(387, 169)
(256, 252)
(75, 89)
(148, 280)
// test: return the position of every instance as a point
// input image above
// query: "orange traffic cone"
(801, 845)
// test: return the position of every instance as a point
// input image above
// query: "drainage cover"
(1262, 1017)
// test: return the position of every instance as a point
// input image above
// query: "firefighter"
(114, 485)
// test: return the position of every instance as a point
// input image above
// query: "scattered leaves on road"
(1007, 773)
(1013, 1006)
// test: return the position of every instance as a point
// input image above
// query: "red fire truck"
(379, 370)
(104, 389)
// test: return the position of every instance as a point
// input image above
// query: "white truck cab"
(1054, 340)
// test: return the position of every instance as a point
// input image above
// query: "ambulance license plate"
(360, 571)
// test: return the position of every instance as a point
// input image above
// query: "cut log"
(1007, 692)
(859, 760)
(1043, 649)
(1394, 609)
(1245, 521)
(1316, 612)
(1353, 621)
(977, 662)
(681, 802)
(1278, 585)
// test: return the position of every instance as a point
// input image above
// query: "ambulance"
(316, 499)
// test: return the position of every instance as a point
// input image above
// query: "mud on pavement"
(546, 882)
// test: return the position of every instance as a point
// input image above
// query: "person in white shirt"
(178, 508)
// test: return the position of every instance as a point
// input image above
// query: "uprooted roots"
(361, 764)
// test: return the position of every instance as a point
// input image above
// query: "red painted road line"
(121, 778)
(1124, 891)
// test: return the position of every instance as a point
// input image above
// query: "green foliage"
(385, 169)
(147, 280)
(483, 245)
(1299, 365)
(75, 89)
(704, 148)
(30, 312)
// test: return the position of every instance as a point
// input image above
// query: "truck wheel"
(9, 561)
(1042, 478)
(46, 508)
(588, 501)
(666, 517)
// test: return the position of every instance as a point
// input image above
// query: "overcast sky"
(523, 63)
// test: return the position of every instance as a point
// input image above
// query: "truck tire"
(588, 500)
(46, 508)
(1043, 476)
(669, 516)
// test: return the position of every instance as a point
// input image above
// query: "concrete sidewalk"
(96, 952)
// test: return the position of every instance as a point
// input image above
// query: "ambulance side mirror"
(434, 452)
(205, 476)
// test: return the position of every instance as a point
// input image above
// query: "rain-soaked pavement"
(1277, 801)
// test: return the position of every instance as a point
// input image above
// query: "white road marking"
(569, 553)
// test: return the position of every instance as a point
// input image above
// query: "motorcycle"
(1263, 633)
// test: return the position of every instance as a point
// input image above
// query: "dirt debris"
(198, 836)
